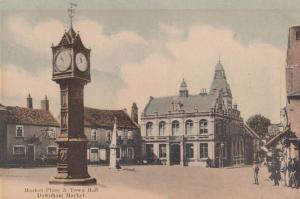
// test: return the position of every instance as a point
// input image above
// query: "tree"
(259, 124)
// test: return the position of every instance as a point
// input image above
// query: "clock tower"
(71, 70)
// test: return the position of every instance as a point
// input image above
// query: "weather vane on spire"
(71, 11)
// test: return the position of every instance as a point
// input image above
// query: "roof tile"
(20, 115)
(105, 118)
(162, 105)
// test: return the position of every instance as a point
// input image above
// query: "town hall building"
(189, 129)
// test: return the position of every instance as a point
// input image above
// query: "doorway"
(175, 154)
(30, 153)
(94, 155)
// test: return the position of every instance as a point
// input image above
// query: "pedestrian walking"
(277, 177)
(275, 172)
(256, 171)
(292, 170)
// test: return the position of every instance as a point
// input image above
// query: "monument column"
(113, 147)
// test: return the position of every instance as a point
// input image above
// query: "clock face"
(63, 60)
(81, 62)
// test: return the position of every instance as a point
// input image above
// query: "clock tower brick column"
(71, 70)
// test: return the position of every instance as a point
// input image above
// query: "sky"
(145, 48)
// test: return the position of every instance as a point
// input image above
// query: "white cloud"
(155, 67)
(253, 71)
(18, 83)
(111, 51)
(37, 37)
(108, 51)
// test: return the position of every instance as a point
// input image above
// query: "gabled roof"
(105, 118)
(278, 137)
(163, 105)
(20, 115)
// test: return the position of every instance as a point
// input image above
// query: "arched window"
(203, 126)
(149, 127)
(175, 128)
(162, 128)
(189, 127)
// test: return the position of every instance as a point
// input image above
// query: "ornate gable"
(70, 37)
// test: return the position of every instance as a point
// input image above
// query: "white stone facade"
(197, 128)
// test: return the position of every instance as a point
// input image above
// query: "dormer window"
(19, 131)
(176, 106)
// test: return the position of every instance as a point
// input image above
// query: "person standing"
(277, 175)
(290, 184)
(297, 173)
(256, 171)
(293, 178)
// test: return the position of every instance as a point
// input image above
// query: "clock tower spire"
(71, 70)
(71, 11)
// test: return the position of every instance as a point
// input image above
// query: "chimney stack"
(134, 112)
(45, 104)
(29, 101)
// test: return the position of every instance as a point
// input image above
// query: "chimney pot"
(134, 112)
(45, 104)
(29, 101)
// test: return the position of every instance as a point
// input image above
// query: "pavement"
(146, 182)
